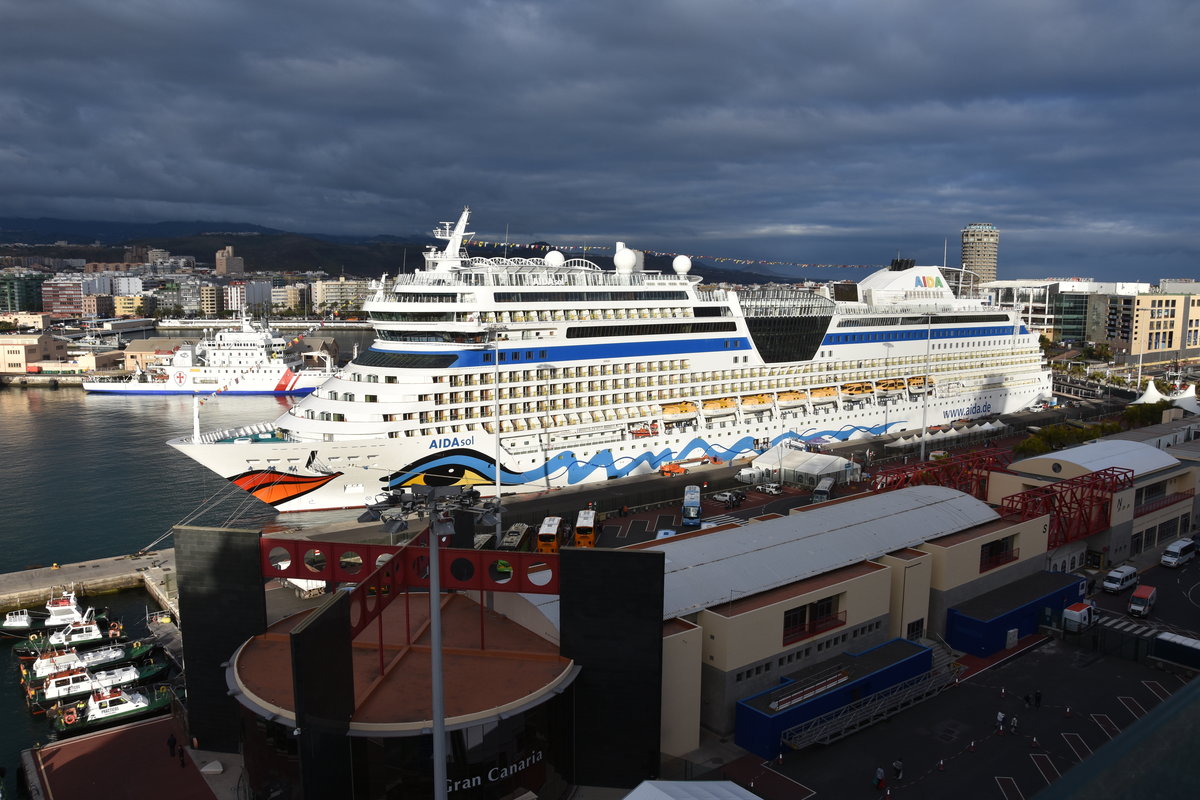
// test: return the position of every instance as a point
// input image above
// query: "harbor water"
(90, 476)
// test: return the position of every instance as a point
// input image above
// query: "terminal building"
(778, 633)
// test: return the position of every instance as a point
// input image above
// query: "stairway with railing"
(877, 707)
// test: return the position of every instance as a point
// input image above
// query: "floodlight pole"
(927, 385)
(435, 641)
(495, 330)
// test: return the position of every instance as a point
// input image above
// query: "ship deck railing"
(479, 275)
(260, 432)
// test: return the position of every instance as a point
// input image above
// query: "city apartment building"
(229, 264)
(98, 305)
(133, 305)
(21, 291)
(212, 300)
(980, 248)
(341, 293)
(1154, 328)
(62, 296)
(1063, 309)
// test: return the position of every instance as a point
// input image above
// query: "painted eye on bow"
(447, 475)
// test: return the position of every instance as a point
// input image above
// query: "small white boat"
(55, 661)
(113, 707)
(79, 681)
(63, 608)
(73, 634)
(18, 620)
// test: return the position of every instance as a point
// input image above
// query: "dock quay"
(153, 571)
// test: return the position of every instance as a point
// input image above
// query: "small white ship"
(250, 360)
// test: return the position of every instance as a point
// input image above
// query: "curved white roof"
(708, 570)
(1140, 457)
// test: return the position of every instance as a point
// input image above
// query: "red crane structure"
(967, 472)
(1078, 507)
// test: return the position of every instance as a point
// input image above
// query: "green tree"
(1141, 414)
(1032, 445)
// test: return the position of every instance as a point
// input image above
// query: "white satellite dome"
(555, 259)
(682, 265)
(624, 260)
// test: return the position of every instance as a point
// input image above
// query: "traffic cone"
(1034, 743)
(971, 749)
(941, 765)
(1068, 711)
(1002, 691)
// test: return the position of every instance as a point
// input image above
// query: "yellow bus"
(547, 538)
(585, 528)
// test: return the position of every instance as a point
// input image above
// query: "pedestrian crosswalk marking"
(1124, 625)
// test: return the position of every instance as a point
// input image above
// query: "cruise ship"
(522, 374)
(252, 359)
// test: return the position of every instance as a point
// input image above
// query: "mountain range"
(269, 249)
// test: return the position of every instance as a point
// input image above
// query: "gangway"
(877, 707)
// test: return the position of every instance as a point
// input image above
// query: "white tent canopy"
(798, 466)
(1188, 404)
(1151, 395)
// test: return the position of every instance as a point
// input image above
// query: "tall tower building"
(228, 263)
(980, 243)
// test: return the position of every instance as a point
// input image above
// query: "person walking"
(1000, 722)
(880, 778)
(1013, 724)
(171, 742)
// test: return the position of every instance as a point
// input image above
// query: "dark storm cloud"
(814, 132)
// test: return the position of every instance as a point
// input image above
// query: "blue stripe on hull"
(539, 351)
(579, 471)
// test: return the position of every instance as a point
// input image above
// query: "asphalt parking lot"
(950, 746)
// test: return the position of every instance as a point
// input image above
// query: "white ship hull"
(250, 360)
(352, 473)
(202, 381)
(543, 373)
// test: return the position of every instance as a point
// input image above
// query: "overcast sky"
(817, 131)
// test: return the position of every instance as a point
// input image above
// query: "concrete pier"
(153, 571)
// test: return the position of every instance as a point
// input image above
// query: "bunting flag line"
(587, 248)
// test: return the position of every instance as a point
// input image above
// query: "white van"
(1178, 553)
(1120, 579)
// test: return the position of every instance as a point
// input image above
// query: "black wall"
(221, 605)
(323, 687)
(610, 612)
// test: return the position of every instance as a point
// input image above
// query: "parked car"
(771, 488)
(723, 497)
